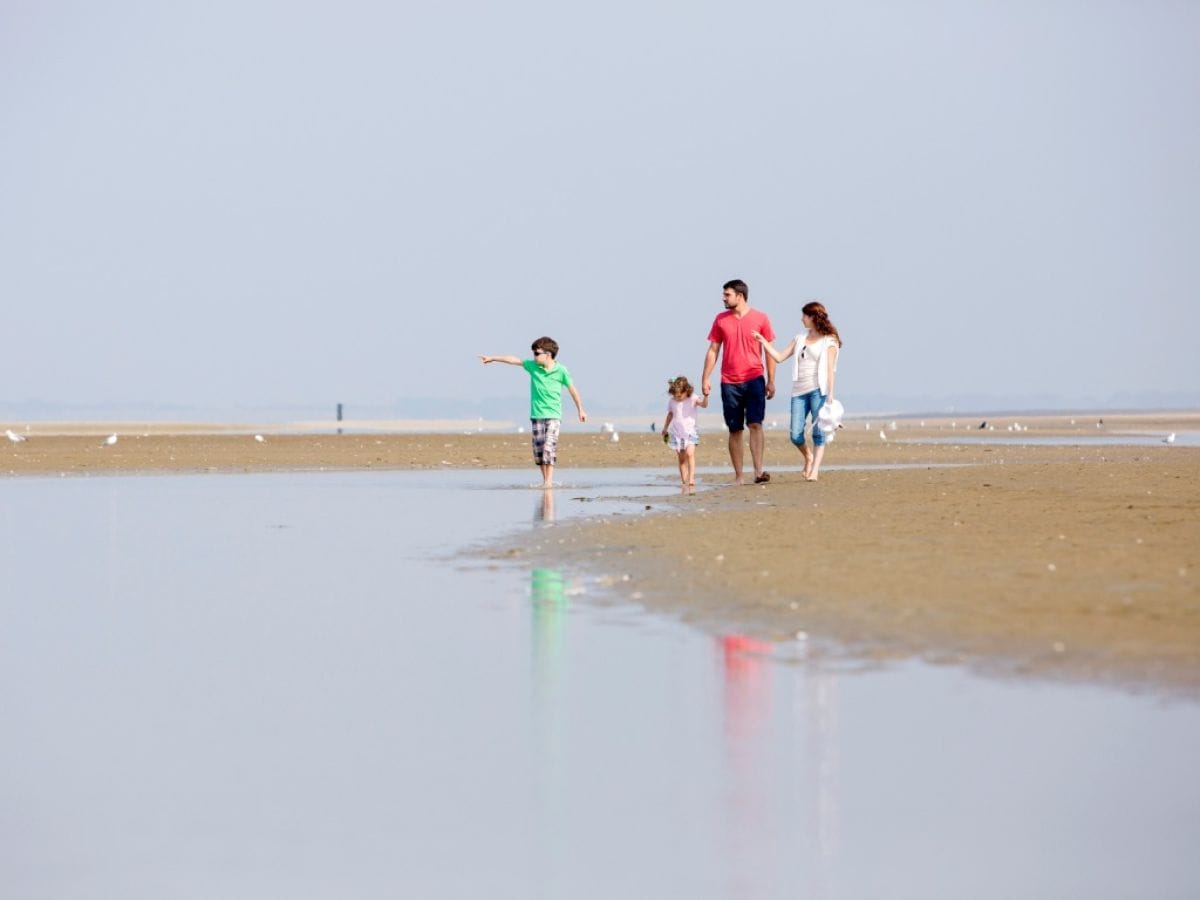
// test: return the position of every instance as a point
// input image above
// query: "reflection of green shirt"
(545, 389)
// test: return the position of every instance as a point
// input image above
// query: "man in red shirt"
(744, 390)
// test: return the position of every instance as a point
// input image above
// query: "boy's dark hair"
(550, 345)
(738, 287)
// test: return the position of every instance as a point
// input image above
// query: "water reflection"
(747, 714)
(550, 786)
(225, 643)
(749, 671)
(543, 508)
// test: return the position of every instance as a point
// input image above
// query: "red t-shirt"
(741, 354)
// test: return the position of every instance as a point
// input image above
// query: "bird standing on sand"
(1170, 438)
(110, 440)
(883, 435)
(13, 436)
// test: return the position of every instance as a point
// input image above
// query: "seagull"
(259, 438)
(18, 438)
(1169, 439)
(883, 435)
(615, 437)
(110, 440)
(983, 425)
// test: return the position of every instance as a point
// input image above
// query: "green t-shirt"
(545, 389)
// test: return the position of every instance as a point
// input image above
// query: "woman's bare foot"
(811, 476)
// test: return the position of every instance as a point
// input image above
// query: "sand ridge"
(1072, 560)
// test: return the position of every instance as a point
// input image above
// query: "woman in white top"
(816, 353)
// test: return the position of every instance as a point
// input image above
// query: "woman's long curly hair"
(820, 319)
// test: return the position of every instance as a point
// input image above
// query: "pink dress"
(683, 430)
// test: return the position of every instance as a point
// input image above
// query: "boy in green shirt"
(546, 380)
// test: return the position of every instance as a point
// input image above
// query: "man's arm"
(770, 377)
(710, 360)
(578, 403)
(511, 360)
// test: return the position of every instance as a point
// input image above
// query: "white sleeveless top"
(810, 372)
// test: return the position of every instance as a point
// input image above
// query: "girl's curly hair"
(680, 387)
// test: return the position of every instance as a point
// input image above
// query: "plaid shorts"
(545, 440)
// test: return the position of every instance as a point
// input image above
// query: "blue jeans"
(803, 406)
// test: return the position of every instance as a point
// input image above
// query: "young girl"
(812, 379)
(679, 429)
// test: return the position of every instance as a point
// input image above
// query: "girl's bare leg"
(683, 467)
(691, 466)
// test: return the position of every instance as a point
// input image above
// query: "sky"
(217, 205)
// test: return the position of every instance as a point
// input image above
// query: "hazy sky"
(256, 202)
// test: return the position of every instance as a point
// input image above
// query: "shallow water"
(283, 685)
(1107, 439)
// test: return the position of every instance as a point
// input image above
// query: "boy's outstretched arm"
(511, 360)
(578, 403)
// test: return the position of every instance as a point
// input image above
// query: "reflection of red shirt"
(741, 355)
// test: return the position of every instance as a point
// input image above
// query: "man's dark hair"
(738, 287)
(550, 345)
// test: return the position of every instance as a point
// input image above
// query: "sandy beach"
(1071, 560)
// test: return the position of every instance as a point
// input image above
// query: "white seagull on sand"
(110, 440)
(1169, 439)
(18, 438)
(883, 435)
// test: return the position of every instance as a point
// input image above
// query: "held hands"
(758, 337)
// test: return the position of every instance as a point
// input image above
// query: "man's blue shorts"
(744, 404)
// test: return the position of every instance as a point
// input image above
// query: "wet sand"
(1079, 561)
